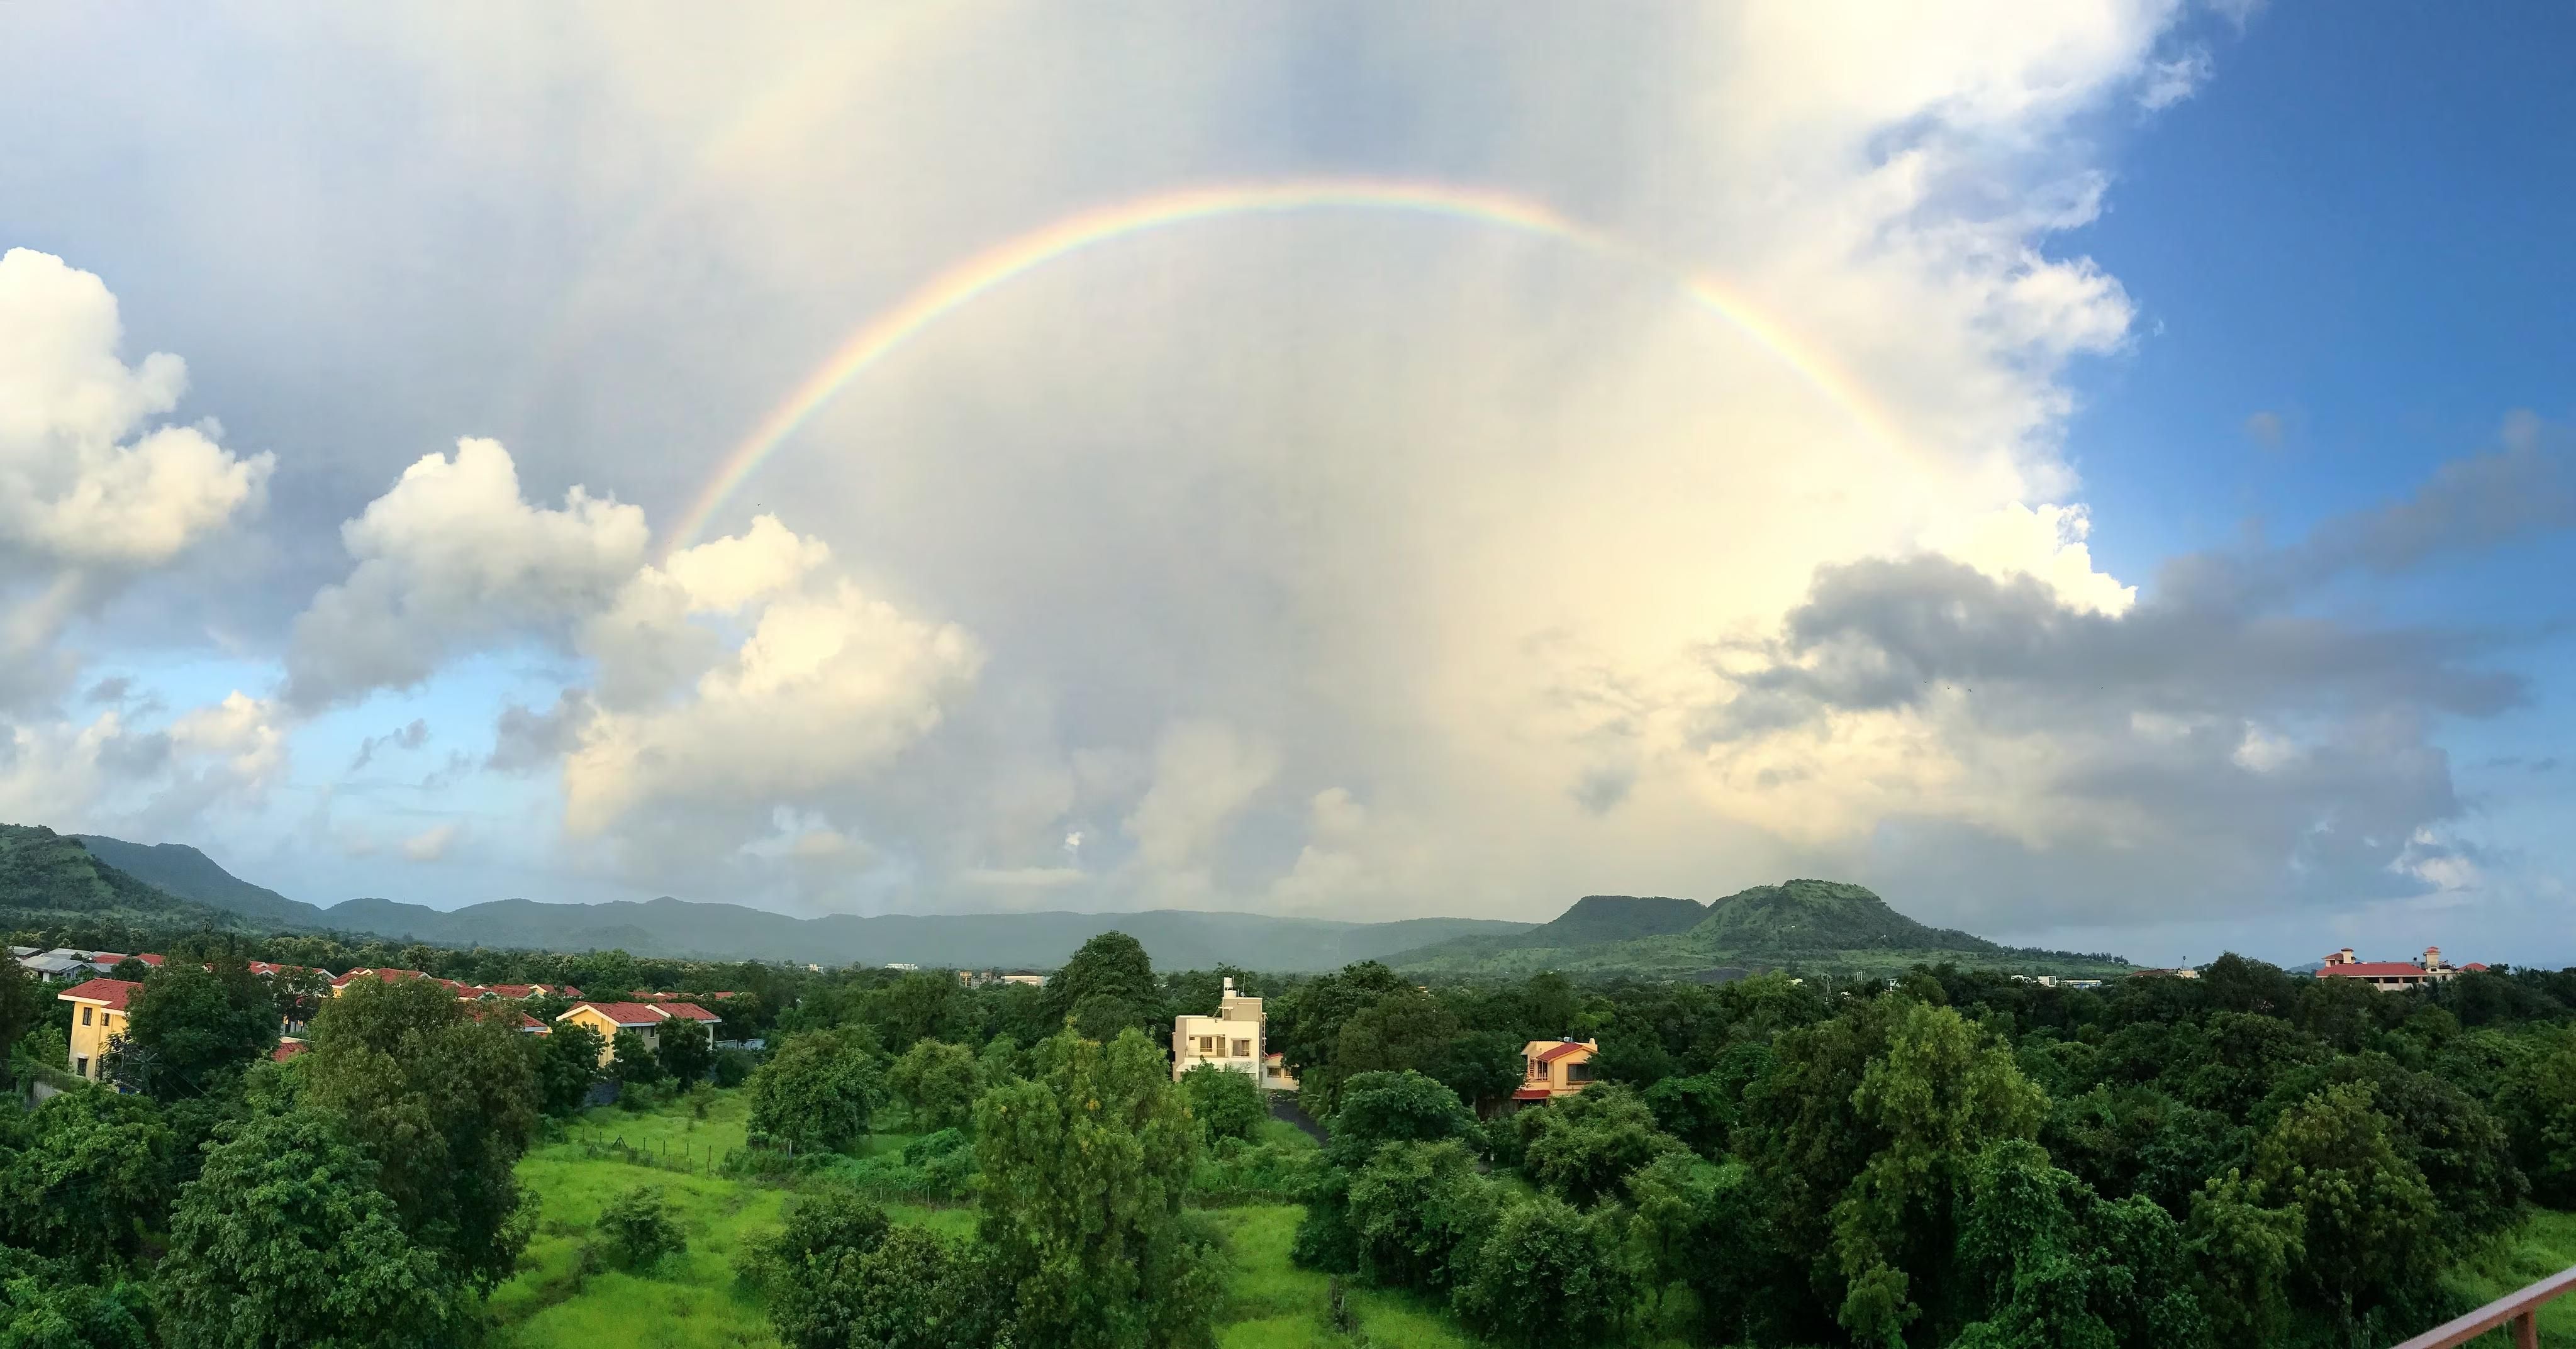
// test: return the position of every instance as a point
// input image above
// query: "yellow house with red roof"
(105, 1006)
(1553, 1068)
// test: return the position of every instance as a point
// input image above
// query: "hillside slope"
(1808, 924)
(49, 879)
(190, 874)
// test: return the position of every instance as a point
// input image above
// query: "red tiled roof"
(688, 1011)
(2371, 969)
(108, 957)
(116, 993)
(150, 959)
(287, 1049)
(1530, 1094)
(512, 991)
(2472, 965)
(1568, 1047)
(621, 1013)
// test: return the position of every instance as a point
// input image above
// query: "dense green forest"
(1946, 1158)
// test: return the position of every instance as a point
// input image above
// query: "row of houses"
(105, 1009)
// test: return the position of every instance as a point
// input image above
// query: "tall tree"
(936, 1081)
(1226, 1104)
(1111, 970)
(1085, 1168)
(818, 1089)
(199, 1021)
(89, 1177)
(285, 1240)
(444, 1102)
(565, 1065)
(686, 1051)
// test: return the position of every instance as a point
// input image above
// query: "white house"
(1232, 1040)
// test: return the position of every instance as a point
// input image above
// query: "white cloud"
(452, 560)
(828, 685)
(84, 483)
(2171, 81)
(2045, 543)
(114, 774)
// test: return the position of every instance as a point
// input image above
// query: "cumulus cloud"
(84, 482)
(93, 491)
(452, 560)
(117, 774)
(2212, 747)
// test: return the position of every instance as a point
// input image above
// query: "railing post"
(2526, 1330)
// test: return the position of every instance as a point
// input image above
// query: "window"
(80, 1066)
(1539, 1069)
(1243, 1049)
(85, 1016)
(1578, 1072)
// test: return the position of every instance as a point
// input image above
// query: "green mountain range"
(1814, 925)
(48, 879)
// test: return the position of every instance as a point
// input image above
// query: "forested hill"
(1823, 925)
(196, 887)
(190, 874)
(50, 880)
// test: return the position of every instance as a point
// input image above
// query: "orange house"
(1554, 1068)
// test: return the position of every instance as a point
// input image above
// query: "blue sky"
(2178, 573)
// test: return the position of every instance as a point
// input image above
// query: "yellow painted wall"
(591, 1017)
(89, 1042)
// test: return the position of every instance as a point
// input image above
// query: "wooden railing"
(2519, 1311)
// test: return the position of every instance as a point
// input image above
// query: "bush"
(1236, 1172)
(1584, 1146)
(1226, 1104)
(637, 1229)
(633, 1060)
(733, 1066)
(1417, 1213)
(1545, 1276)
(639, 1096)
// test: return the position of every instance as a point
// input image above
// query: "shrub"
(1226, 1104)
(1417, 1213)
(1545, 1276)
(637, 1229)
(1234, 1171)
(639, 1096)
(733, 1066)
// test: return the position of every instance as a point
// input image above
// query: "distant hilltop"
(1823, 925)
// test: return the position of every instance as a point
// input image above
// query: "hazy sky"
(2097, 473)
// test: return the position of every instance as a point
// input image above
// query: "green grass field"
(2545, 1245)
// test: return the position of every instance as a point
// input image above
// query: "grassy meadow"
(691, 1300)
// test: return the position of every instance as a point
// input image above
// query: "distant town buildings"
(984, 978)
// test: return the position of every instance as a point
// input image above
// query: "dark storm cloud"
(2226, 747)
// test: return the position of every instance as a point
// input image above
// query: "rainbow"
(960, 285)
